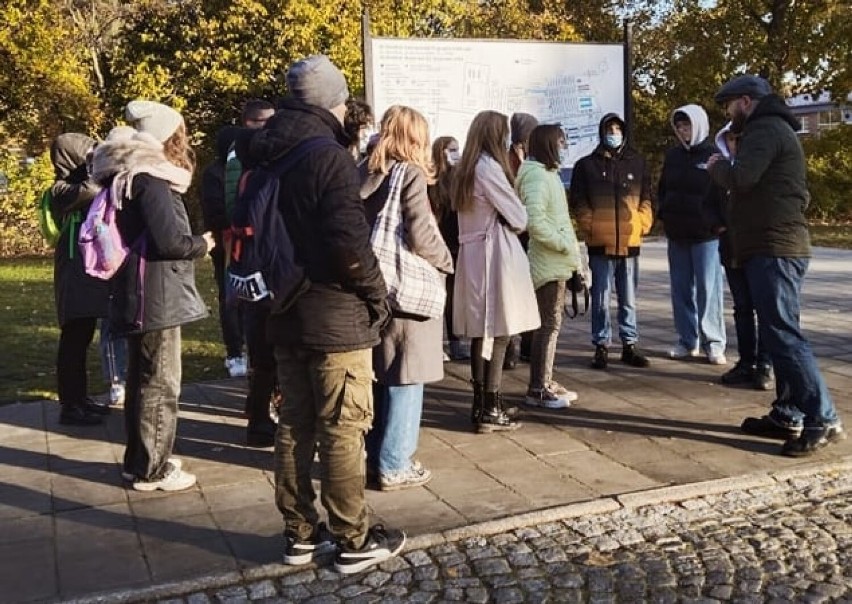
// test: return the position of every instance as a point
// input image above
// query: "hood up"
(700, 124)
(68, 152)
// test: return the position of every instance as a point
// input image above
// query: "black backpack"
(262, 267)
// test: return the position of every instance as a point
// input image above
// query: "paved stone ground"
(790, 541)
(65, 511)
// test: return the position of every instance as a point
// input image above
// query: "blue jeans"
(151, 406)
(695, 274)
(775, 285)
(751, 349)
(625, 273)
(392, 441)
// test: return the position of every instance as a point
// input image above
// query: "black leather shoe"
(93, 406)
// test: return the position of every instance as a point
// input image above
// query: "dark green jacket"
(767, 180)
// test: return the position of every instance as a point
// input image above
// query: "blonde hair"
(403, 136)
(177, 150)
(487, 134)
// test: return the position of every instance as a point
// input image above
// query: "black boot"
(476, 409)
(494, 417)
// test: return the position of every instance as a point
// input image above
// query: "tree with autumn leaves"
(72, 64)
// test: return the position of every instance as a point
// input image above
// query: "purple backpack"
(101, 245)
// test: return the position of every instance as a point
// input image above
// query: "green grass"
(30, 333)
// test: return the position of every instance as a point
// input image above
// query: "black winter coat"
(77, 295)
(345, 306)
(683, 192)
(155, 223)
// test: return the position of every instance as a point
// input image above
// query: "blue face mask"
(613, 141)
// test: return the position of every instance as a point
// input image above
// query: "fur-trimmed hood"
(126, 153)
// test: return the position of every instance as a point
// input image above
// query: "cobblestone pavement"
(788, 542)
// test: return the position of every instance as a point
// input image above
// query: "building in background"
(819, 113)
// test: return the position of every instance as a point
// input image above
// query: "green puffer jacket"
(768, 181)
(553, 249)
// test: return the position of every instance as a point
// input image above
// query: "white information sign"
(451, 80)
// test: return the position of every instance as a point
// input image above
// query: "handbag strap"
(390, 216)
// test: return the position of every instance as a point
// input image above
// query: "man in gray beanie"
(323, 342)
(768, 236)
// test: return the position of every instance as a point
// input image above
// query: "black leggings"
(74, 340)
(488, 372)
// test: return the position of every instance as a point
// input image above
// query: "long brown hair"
(439, 155)
(545, 141)
(177, 149)
(487, 134)
(404, 136)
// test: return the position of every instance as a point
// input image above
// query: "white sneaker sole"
(310, 555)
(351, 569)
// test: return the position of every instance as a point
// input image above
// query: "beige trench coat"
(493, 293)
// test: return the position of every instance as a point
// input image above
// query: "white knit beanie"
(156, 119)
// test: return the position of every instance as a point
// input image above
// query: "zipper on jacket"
(615, 190)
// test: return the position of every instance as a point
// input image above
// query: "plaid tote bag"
(414, 286)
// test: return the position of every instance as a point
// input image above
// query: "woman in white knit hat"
(154, 293)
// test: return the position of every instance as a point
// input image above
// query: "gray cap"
(316, 81)
(744, 85)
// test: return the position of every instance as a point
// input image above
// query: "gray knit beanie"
(161, 121)
(316, 81)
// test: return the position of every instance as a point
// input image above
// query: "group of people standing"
(351, 369)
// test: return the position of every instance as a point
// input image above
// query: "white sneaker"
(174, 480)
(562, 391)
(236, 366)
(547, 398)
(717, 358)
(679, 351)
(116, 394)
(176, 462)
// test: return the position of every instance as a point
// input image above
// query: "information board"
(451, 80)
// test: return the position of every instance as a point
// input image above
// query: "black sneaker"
(769, 427)
(601, 358)
(813, 439)
(303, 551)
(381, 544)
(763, 379)
(741, 373)
(78, 415)
(630, 355)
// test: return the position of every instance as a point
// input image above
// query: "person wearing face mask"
(445, 155)
(695, 269)
(769, 239)
(553, 254)
(611, 197)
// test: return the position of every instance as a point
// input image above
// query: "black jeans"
(488, 372)
(262, 378)
(151, 404)
(749, 346)
(74, 343)
(230, 316)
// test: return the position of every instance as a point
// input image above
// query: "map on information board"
(451, 80)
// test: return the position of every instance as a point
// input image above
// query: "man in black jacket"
(324, 341)
(769, 238)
